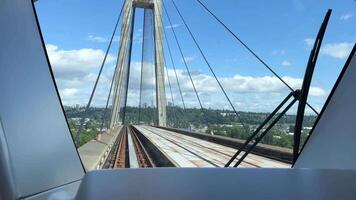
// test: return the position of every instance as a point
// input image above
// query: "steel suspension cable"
(175, 72)
(183, 58)
(98, 77)
(250, 50)
(174, 68)
(108, 99)
(142, 58)
(169, 82)
(208, 64)
(170, 88)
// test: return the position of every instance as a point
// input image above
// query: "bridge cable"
(182, 55)
(97, 78)
(108, 99)
(169, 82)
(166, 69)
(175, 72)
(142, 58)
(174, 68)
(208, 64)
(170, 87)
(167, 74)
(251, 51)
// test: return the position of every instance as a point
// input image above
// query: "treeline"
(277, 136)
(180, 118)
(219, 122)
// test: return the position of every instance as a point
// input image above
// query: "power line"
(250, 50)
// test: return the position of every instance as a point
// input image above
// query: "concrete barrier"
(94, 153)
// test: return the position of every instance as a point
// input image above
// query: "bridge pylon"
(124, 59)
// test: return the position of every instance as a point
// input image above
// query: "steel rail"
(143, 158)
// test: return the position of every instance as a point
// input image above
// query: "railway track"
(111, 159)
(121, 160)
(144, 160)
(145, 146)
(129, 151)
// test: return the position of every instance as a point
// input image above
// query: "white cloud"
(97, 38)
(266, 84)
(76, 62)
(75, 72)
(67, 92)
(286, 63)
(279, 52)
(172, 26)
(240, 84)
(309, 42)
(101, 39)
(346, 16)
(317, 92)
(337, 50)
(247, 92)
(187, 58)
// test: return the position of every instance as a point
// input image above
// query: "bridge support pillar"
(124, 39)
(120, 86)
(160, 86)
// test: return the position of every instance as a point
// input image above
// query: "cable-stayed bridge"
(154, 74)
(39, 159)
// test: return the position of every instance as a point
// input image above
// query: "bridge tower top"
(144, 3)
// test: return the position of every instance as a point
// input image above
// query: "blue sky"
(280, 32)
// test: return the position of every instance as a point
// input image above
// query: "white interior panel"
(332, 144)
(41, 150)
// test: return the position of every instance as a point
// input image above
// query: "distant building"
(227, 125)
(224, 114)
(305, 129)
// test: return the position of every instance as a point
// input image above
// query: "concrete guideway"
(186, 151)
(94, 153)
(132, 153)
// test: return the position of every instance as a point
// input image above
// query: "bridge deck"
(186, 151)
